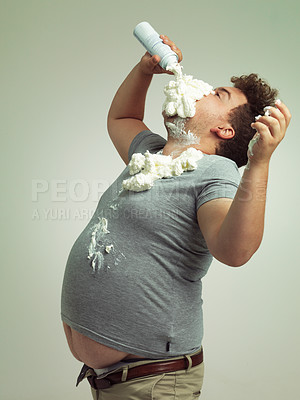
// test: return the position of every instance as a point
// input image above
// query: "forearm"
(242, 229)
(129, 101)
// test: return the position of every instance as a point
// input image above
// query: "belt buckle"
(103, 383)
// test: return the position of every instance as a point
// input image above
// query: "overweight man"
(131, 297)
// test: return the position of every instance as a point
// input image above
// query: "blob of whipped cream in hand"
(256, 137)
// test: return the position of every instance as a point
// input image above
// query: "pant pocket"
(164, 388)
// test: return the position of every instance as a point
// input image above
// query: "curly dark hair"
(259, 95)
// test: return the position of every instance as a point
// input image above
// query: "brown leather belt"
(145, 370)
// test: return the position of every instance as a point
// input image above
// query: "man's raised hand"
(150, 64)
(271, 130)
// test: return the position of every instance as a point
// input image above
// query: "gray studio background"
(61, 64)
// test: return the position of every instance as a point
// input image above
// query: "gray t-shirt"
(142, 295)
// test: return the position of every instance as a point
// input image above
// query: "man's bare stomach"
(91, 353)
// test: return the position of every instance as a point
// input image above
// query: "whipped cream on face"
(147, 168)
(182, 94)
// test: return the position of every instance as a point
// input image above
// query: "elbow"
(236, 253)
(238, 262)
(109, 124)
(238, 259)
(245, 250)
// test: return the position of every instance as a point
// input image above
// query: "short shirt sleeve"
(146, 140)
(220, 179)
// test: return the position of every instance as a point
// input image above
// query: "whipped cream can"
(150, 39)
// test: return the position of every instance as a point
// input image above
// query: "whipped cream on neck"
(182, 94)
(176, 130)
(147, 168)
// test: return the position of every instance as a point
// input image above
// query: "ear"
(224, 132)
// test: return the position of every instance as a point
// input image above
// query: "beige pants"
(179, 385)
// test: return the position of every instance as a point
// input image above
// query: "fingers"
(155, 59)
(270, 130)
(263, 132)
(157, 69)
(169, 42)
(150, 64)
(275, 121)
(285, 111)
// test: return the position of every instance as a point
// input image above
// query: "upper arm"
(211, 216)
(122, 131)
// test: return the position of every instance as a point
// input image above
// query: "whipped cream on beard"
(177, 131)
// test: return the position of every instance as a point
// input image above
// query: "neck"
(175, 147)
(183, 135)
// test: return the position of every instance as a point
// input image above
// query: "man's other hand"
(270, 132)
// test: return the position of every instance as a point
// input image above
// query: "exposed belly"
(91, 353)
